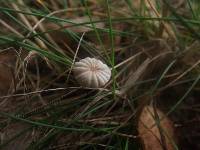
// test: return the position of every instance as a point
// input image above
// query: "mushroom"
(91, 72)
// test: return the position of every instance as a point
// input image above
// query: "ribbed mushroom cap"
(91, 72)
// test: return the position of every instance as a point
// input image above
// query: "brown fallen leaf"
(7, 62)
(5, 78)
(155, 135)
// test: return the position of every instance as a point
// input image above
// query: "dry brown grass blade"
(27, 22)
(77, 29)
(23, 141)
(191, 54)
(165, 28)
(155, 135)
(134, 77)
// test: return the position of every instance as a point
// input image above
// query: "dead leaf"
(7, 61)
(155, 135)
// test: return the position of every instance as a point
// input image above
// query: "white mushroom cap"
(91, 72)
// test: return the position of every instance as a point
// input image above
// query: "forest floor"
(151, 101)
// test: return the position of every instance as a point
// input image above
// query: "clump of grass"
(151, 46)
